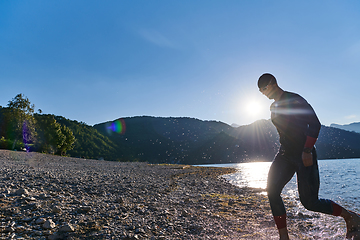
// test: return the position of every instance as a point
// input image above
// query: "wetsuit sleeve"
(314, 124)
(310, 142)
(307, 117)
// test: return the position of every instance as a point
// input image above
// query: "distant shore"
(52, 197)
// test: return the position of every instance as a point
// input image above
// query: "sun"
(253, 108)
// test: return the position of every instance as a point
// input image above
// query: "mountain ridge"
(192, 141)
(355, 126)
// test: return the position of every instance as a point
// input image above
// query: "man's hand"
(307, 159)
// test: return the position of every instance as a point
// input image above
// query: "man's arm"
(312, 134)
(308, 116)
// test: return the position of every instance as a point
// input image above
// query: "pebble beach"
(52, 197)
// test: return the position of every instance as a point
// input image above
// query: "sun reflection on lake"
(253, 175)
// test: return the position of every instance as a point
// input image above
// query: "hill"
(355, 127)
(193, 141)
(89, 142)
(334, 143)
(154, 139)
(257, 141)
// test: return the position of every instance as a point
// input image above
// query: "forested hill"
(193, 141)
(188, 140)
(89, 143)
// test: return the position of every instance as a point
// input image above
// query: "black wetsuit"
(295, 119)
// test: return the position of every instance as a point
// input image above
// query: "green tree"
(68, 142)
(21, 120)
(50, 137)
(53, 137)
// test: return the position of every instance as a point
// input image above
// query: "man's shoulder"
(293, 97)
(290, 100)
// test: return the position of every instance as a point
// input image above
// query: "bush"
(5, 143)
(9, 144)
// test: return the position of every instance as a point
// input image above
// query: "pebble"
(40, 221)
(84, 209)
(22, 191)
(66, 228)
(49, 224)
(56, 209)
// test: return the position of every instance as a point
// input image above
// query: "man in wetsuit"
(298, 128)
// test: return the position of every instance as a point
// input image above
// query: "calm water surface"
(339, 181)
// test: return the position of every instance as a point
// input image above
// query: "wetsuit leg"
(280, 173)
(308, 186)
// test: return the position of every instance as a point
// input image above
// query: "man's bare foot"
(352, 220)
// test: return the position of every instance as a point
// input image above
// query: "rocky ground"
(51, 197)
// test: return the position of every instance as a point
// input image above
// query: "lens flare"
(117, 126)
(26, 135)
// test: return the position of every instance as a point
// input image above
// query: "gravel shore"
(52, 197)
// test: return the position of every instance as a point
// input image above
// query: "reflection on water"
(253, 175)
(339, 182)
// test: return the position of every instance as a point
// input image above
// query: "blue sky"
(95, 61)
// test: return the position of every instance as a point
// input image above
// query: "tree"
(49, 133)
(21, 120)
(68, 142)
(53, 137)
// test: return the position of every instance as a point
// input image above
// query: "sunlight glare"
(253, 108)
(253, 175)
(256, 174)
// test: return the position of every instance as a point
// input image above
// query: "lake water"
(339, 181)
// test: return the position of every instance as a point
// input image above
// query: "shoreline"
(93, 199)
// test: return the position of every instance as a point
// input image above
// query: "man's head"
(265, 80)
(268, 85)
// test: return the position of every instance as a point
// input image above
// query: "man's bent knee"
(311, 205)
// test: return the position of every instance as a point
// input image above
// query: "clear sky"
(95, 61)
